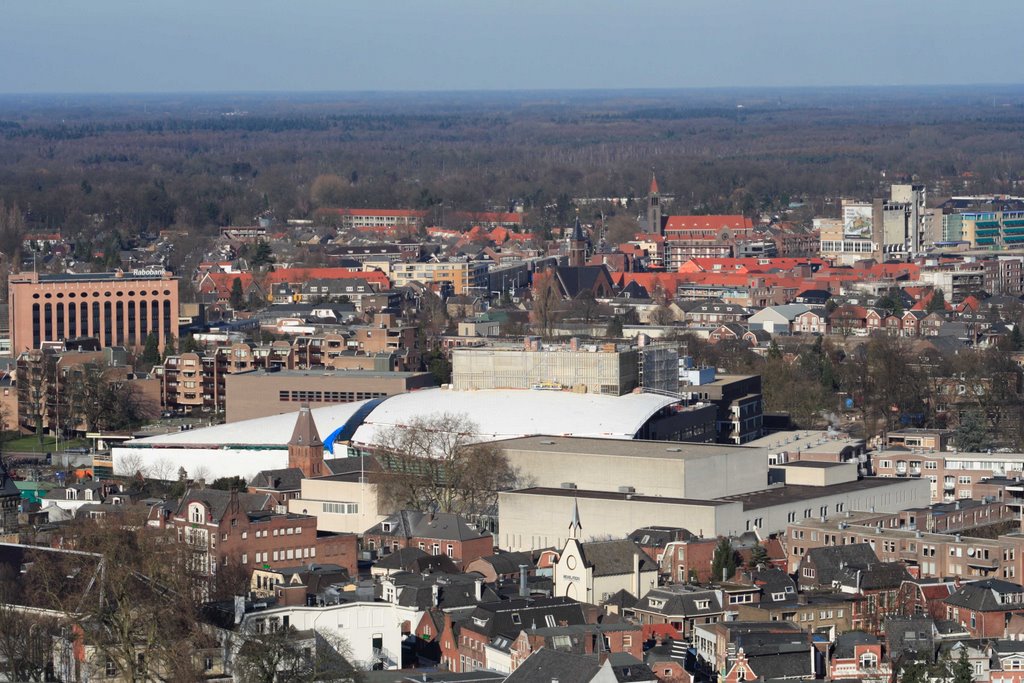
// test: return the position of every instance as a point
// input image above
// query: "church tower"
(654, 207)
(305, 449)
(577, 245)
(10, 499)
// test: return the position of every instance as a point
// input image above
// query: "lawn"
(30, 444)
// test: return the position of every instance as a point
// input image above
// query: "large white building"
(708, 489)
(250, 446)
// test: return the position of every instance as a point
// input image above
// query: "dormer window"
(385, 527)
(703, 604)
(196, 513)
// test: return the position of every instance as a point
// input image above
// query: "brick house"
(464, 644)
(435, 533)
(859, 656)
(984, 608)
(586, 639)
(231, 529)
(680, 605)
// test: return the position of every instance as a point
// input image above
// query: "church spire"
(575, 526)
(653, 207)
(305, 449)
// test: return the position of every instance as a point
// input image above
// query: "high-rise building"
(119, 308)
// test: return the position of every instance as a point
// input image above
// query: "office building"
(119, 308)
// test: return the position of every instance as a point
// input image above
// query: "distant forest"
(106, 168)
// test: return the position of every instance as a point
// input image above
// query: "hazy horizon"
(321, 46)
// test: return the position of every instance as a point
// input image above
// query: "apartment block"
(925, 554)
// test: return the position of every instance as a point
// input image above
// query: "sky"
(104, 46)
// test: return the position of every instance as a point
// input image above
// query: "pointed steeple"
(305, 433)
(654, 183)
(577, 230)
(575, 526)
(305, 449)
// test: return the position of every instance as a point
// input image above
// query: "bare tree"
(546, 302)
(438, 462)
(283, 655)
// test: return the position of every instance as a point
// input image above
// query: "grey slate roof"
(509, 617)
(288, 479)
(659, 536)
(830, 562)
(548, 665)
(845, 642)
(680, 600)
(989, 595)
(440, 525)
(508, 562)
(609, 558)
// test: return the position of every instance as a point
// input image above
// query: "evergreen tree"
(614, 329)
(971, 435)
(723, 563)
(151, 351)
(170, 347)
(237, 294)
(962, 670)
(758, 556)
(937, 303)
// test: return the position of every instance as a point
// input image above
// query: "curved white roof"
(498, 413)
(274, 430)
(509, 413)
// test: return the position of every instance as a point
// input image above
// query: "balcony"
(982, 563)
(949, 485)
(915, 471)
(901, 469)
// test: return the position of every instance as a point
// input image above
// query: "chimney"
(524, 591)
(435, 595)
(478, 591)
(636, 574)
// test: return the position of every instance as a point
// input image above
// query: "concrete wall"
(529, 522)
(316, 492)
(163, 463)
(612, 373)
(836, 473)
(723, 474)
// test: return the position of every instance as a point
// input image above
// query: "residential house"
(984, 607)
(680, 605)
(495, 625)
(777, 319)
(860, 656)
(435, 533)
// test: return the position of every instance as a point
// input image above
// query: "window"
(808, 572)
(516, 619)
(385, 527)
(869, 660)
(110, 668)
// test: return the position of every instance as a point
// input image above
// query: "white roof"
(274, 430)
(508, 413)
(498, 413)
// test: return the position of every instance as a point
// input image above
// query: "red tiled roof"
(298, 275)
(377, 213)
(716, 223)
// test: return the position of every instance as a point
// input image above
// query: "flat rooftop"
(610, 495)
(811, 464)
(791, 493)
(353, 374)
(818, 441)
(633, 448)
(97, 277)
